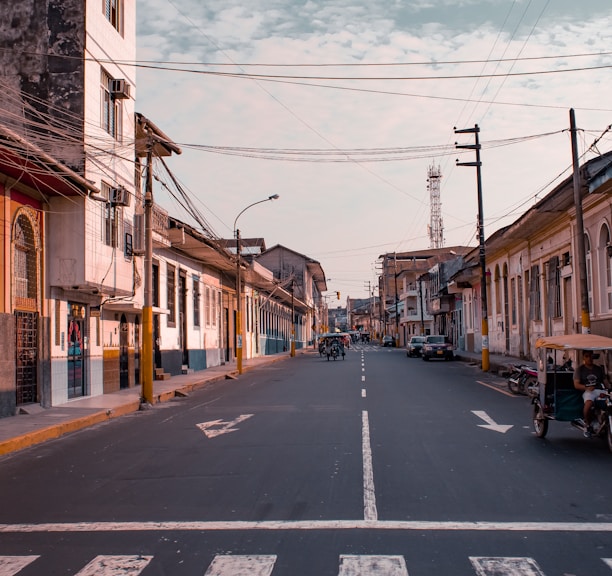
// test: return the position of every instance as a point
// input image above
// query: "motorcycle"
(554, 396)
(521, 378)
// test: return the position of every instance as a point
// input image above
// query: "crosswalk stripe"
(115, 566)
(230, 565)
(352, 565)
(608, 561)
(500, 566)
(10, 565)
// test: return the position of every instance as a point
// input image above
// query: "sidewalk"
(42, 424)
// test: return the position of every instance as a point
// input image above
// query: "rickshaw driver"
(589, 378)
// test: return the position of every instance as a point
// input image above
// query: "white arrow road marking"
(372, 566)
(241, 566)
(490, 423)
(115, 566)
(218, 427)
(505, 566)
(10, 565)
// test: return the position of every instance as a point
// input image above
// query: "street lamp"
(239, 285)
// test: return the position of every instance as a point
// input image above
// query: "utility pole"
(292, 344)
(147, 310)
(396, 301)
(584, 287)
(483, 269)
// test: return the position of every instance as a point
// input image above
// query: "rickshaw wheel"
(540, 423)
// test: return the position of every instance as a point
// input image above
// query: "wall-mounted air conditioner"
(120, 89)
(119, 196)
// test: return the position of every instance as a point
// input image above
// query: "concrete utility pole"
(396, 301)
(147, 309)
(483, 268)
(584, 286)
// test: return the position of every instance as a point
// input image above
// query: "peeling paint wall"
(42, 74)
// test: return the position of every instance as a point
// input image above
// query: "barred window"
(196, 300)
(171, 293)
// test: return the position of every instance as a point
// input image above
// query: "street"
(378, 464)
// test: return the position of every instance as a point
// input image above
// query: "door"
(76, 365)
(27, 357)
(183, 318)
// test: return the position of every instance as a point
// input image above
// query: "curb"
(61, 429)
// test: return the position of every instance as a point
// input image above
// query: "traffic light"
(338, 295)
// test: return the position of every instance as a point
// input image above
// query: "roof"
(575, 342)
(31, 165)
(556, 203)
(312, 265)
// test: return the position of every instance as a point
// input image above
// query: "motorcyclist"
(590, 378)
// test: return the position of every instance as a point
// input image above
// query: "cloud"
(328, 208)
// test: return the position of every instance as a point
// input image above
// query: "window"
(171, 293)
(589, 269)
(109, 228)
(196, 301)
(605, 268)
(113, 11)
(498, 298)
(112, 109)
(554, 288)
(155, 284)
(207, 306)
(535, 303)
(25, 275)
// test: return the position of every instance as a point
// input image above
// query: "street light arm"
(268, 199)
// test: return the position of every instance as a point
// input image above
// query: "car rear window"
(436, 339)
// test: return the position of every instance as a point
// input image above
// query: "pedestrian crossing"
(263, 565)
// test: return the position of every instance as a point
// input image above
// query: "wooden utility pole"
(483, 268)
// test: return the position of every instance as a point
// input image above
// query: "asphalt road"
(374, 465)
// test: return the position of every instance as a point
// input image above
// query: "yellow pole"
(239, 306)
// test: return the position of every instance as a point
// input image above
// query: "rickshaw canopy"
(575, 342)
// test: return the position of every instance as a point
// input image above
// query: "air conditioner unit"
(119, 89)
(119, 196)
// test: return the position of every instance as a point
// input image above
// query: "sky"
(342, 106)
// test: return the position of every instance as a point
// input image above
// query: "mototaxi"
(554, 396)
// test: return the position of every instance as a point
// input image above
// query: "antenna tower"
(435, 228)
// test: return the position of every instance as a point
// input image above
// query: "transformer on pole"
(435, 228)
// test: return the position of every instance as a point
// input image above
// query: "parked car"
(388, 341)
(415, 346)
(437, 347)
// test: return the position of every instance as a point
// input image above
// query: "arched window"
(25, 260)
(604, 253)
(589, 270)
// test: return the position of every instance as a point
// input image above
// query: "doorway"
(76, 364)
(27, 357)
(124, 354)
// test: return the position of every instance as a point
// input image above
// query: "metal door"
(27, 357)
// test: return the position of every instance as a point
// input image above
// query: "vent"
(119, 89)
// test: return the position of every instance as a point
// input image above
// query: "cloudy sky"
(341, 106)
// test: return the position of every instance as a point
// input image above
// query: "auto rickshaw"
(554, 396)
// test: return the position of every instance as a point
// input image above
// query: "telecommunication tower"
(435, 227)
